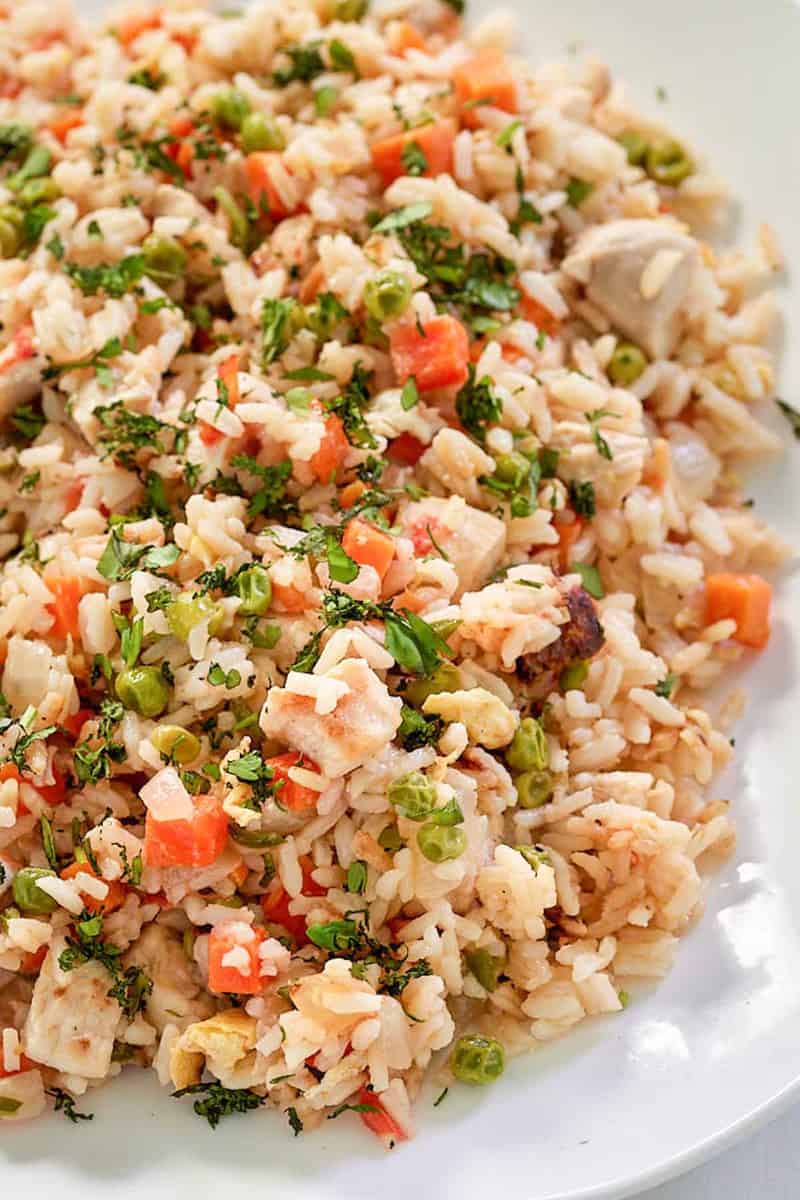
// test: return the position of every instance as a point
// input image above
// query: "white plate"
(696, 1062)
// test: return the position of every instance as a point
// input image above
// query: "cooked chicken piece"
(581, 638)
(639, 273)
(339, 719)
(473, 540)
(20, 372)
(72, 1019)
(177, 997)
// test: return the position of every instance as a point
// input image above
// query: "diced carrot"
(567, 537)
(404, 36)
(117, 891)
(74, 724)
(484, 79)
(44, 41)
(187, 40)
(435, 141)
(56, 792)
(437, 356)
(293, 796)
(181, 125)
(351, 493)
(196, 841)
(132, 27)
(74, 494)
(312, 284)
(310, 886)
(333, 450)
(61, 125)
(229, 376)
(541, 317)
(32, 963)
(19, 348)
(10, 88)
(406, 450)
(9, 771)
(746, 599)
(275, 906)
(226, 978)
(260, 188)
(68, 590)
(377, 1119)
(25, 1063)
(368, 545)
(288, 598)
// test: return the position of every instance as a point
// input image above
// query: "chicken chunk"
(473, 540)
(639, 273)
(339, 719)
(581, 638)
(72, 1018)
(177, 998)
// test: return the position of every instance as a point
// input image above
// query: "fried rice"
(372, 521)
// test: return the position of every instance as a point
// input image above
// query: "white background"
(763, 1167)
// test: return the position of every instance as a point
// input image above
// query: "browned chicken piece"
(581, 638)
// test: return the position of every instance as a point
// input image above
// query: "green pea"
(144, 689)
(413, 796)
(187, 611)
(165, 259)
(37, 163)
(485, 967)
(573, 676)
(255, 589)
(446, 678)
(237, 220)
(351, 10)
(534, 788)
(535, 856)
(256, 839)
(667, 162)
(529, 747)
(38, 191)
(28, 896)
(477, 1059)
(635, 146)
(177, 743)
(230, 107)
(512, 468)
(260, 132)
(389, 839)
(387, 295)
(10, 239)
(626, 364)
(441, 842)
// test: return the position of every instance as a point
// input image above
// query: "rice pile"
(372, 525)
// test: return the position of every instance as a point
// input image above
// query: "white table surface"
(763, 1167)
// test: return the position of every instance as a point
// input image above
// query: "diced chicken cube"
(177, 997)
(473, 540)
(639, 273)
(72, 1019)
(338, 740)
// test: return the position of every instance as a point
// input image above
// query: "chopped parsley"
(665, 687)
(590, 577)
(99, 361)
(294, 1120)
(305, 64)
(349, 407)
(66, 1104)
(270, 497)
(27, 422)
(414, 159)
(577, 191)
(582, 498)
(130, 986)
(278, 326)
(120, 558)
(792, 416)
(115, 280)
(477, 406)
(216, 1101)
(417, 730)
(602, 446)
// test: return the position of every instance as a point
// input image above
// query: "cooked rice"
(287, 936)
